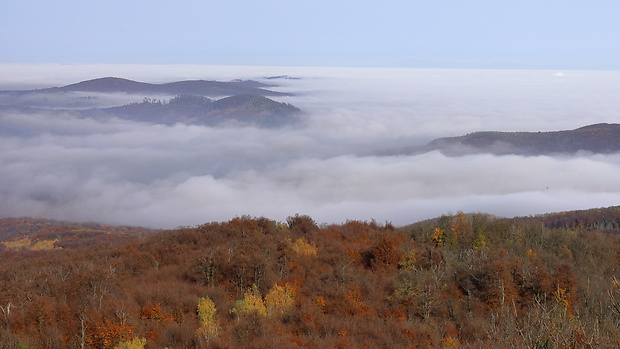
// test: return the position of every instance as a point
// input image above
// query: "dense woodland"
(458, 281)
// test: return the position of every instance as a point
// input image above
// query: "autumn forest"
(457, 281)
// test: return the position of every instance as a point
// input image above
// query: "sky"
(553, 34)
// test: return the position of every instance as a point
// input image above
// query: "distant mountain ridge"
(197, 87)
(600, 138)
(241, 102)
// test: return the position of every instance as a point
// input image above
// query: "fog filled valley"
(285, 207)
(332, 165)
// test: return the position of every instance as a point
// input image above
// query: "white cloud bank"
(121, 172)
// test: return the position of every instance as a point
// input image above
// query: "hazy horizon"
(122, 172)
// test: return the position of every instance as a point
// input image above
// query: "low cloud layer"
(121, 172)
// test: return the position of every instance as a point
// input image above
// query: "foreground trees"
(458, 281)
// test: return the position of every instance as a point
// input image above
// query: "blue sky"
(482, 34)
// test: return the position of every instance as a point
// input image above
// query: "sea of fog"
(122, 172)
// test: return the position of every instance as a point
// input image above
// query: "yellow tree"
(252, 302)
(302, 247)
(209, 327)
(438, 237)
(136, 343)
(280, 300)
(408, 260)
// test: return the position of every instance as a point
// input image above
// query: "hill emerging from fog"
(190, 109)
(201, 102)
(598, 138)
(197, 87)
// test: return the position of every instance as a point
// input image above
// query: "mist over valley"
(83, 154)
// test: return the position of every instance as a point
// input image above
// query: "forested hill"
(605, 220)
(597, 138)
(601, 220)
(464, 280)
(197, 102)
(191, 109)
(30, 233)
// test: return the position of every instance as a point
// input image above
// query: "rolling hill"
(457, 281)
(28, 233)
(598, 138)
(240, 102)
(245, 109)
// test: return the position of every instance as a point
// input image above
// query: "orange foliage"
(355, 302)
(385, 254)
(352, 285)
(106, 334)
(153, 311)
(321, 303)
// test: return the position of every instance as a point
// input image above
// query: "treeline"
(596, 219)
(12, 229)
(468, 281)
